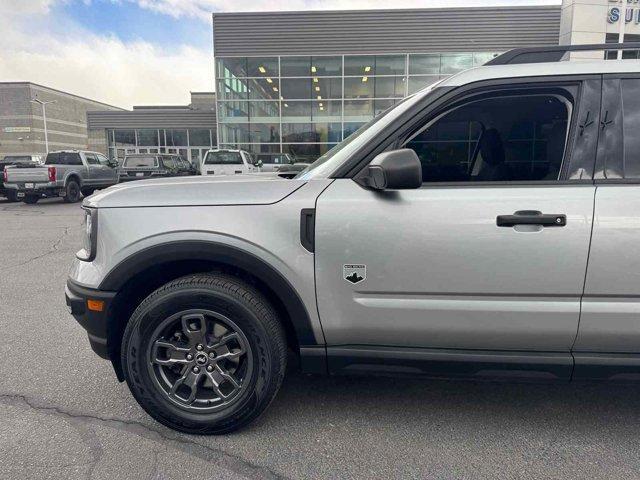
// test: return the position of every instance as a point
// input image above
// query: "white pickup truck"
(65, 173)
(228, 162)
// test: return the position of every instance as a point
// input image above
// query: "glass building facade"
(190, 143)
(304, 105)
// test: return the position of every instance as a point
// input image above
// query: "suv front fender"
(225, 255)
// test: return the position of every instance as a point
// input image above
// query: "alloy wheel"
(200, 360)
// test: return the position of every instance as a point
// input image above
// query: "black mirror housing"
(394, 170)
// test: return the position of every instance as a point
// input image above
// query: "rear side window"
(223, 158)
(630, 93)
(497, 138)
(140, 162)
(63, 158)
(168, 162)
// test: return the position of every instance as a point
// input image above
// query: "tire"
(31, 199)
(12, 196)
(88, 191)
(72, 192)
(176, 313)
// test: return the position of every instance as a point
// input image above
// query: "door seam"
(586, 271)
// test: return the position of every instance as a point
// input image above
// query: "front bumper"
(94, 322)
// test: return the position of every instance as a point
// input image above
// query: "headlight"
(90, 234)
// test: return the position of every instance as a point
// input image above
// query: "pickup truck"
(65, 173)
(11, 160)
(228, 162)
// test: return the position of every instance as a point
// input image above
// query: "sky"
(140, 52)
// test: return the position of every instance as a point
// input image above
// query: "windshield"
(223, 158)
(146, 162)
(330, 161)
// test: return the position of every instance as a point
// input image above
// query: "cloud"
(39, 44)
(39, 48)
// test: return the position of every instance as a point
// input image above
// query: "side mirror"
(258, 164)
(395, 170)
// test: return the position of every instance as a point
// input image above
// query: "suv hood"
(191, 191)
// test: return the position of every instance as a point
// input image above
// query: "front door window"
(506, 138)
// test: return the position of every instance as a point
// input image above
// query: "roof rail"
(555, 53)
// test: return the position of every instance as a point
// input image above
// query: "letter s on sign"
(614, 15)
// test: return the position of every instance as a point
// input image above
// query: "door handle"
(531, 217)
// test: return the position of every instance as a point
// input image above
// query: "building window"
(148, 137)
(199, 137)
(295, 66)
(175, 138)
(292, 102)
(125, 138)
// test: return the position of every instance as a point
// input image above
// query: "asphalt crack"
(221, 458)
(52, 249)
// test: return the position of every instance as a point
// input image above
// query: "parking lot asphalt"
(63, 414)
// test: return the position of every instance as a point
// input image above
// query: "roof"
(60, 92)
(542, 69)
(152, 118)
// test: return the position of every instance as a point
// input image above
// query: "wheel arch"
(73, 176)
(145, 271)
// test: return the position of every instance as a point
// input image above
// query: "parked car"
(228, 162)
(273, 162)
(290, 171)
(485, 227)
(189, 167)
(11, 160)
(148, 165)
(65, 173)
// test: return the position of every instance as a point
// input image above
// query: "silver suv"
(488, 226)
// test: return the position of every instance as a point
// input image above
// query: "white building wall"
(589, 21)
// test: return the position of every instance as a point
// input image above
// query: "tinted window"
(63, 158)
(502, 138)
(631, 125)
(223, 158)
(141, 161)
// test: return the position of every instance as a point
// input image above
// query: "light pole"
(44, 118)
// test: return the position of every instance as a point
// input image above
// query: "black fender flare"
(223, 254)
(73, 176)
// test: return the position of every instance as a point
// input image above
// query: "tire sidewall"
(72, 186)
(137, 340)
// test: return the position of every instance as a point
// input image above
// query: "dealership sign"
(631, 15)
(17, 129)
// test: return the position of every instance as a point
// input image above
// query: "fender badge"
(354, 273)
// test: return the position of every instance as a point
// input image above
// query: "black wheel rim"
(200, 360)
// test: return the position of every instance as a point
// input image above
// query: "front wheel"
(31, 199)
(204, 354)
(72, 192)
